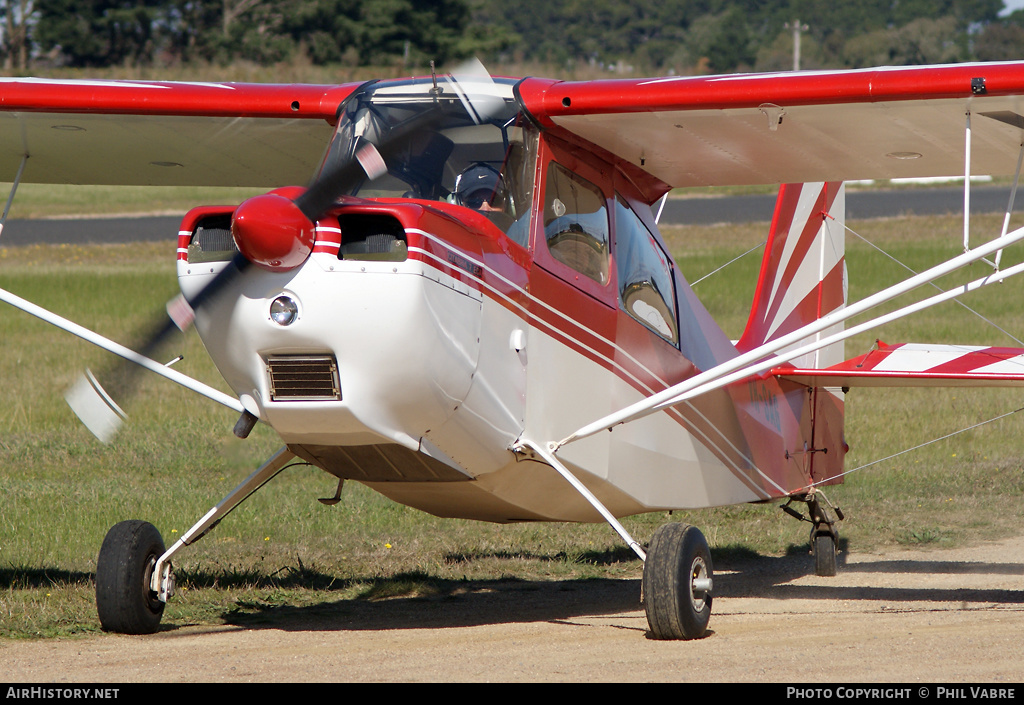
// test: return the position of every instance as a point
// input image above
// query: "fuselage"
(430, 331)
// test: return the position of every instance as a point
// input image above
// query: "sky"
(1012, 5)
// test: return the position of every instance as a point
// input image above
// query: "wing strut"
(661, 207)
(1013, 120)
(744, 365)
(128, 354)
(549, 457)
(14, 190)
(767, 364)
(967, 184)
(1009, 206)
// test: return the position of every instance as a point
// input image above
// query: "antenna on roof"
(436, 90)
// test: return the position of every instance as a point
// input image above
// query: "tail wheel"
(677, 583)
(824, 550)
(124, 600)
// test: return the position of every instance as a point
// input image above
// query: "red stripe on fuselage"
(706, 418)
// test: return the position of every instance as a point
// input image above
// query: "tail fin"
(803, 273)
(803, 278)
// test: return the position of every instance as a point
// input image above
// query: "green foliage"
(674, 36)
(598, 33)
(730, 45)
(920, 41)
(730, 35)
(99, 32)
(1002, 40)
(116, 32)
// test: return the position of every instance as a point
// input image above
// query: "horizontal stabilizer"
(917, 365)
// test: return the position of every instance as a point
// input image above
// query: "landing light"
(284, 311)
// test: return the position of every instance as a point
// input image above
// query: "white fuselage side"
(454, 368)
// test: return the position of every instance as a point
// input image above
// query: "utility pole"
(797, 29)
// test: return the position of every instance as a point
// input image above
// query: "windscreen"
(484, 162)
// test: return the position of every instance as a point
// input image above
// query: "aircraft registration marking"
(465, 264)
(766, 404)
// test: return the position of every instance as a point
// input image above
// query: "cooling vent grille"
(304, 378)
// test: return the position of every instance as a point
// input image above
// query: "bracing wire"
(920, 445)
(734, 259)
(948, 435)
(957, 301)
(936, 286)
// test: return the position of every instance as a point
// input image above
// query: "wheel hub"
(700, 583)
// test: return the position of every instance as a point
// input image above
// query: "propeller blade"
(369, 160)
(275, 233)
(91, 403)
(89, 398)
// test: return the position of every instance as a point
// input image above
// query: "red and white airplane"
(471, 311)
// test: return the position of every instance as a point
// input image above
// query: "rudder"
(802, 279)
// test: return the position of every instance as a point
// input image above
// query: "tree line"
(624, 36)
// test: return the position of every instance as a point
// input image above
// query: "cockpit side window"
(576, 223)
(645, 274)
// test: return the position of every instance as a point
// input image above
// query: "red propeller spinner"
(272, 232)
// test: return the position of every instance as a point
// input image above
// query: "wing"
(153, 133)
(796, 127)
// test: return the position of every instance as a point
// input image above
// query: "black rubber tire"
(124, 600)
(677, 554)
(824, 550)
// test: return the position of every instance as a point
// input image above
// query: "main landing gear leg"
(677, 581)
(133, 572)
(824, 531)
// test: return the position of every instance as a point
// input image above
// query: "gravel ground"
(938, 617)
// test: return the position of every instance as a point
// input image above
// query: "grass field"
(56, 200)
(176, 457)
